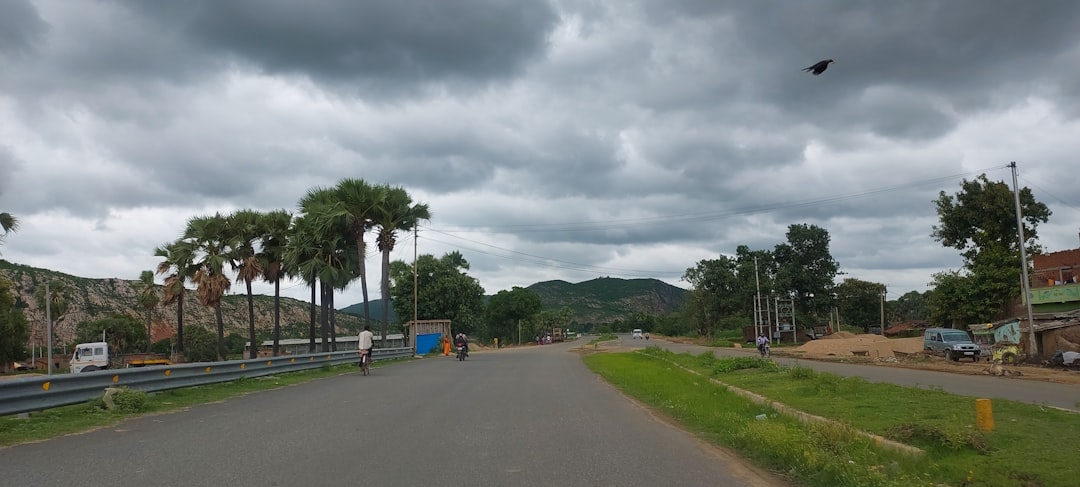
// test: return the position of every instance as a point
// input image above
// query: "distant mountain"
(606, 299)
(376, 306)
(601, 300)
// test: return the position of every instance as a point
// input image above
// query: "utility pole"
(416, 236)
(48, 324)
(1033, 348)
(883, 310)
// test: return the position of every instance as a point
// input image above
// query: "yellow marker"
(115, 379)
(45, 385)
(243, 366)
(168, 372)
(208, 370)
(269, 363)
(292, 361)
(984, 415)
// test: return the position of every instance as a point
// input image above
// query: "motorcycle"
(763, 349)
(462, 352)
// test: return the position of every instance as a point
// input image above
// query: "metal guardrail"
(35, 393)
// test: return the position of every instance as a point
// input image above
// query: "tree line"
(979, 220)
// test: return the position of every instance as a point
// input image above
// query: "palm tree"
(147, 296)
(178, 265)
(300, 262)
(358, 201)
(8, 224)
(275, 239)
(395, 212)
(245, 229)
(211, 239)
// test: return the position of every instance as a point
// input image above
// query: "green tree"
(13, 330)
(244, 229)
(324, 251)
(357, 202)
(146, 294)
(178, 265)
(912, 306)
(713, 292)
(395, 212)
(506, 309)
(980, 221)
(201, 345)
(275, 241)
(953, 301)
(806, 268)
(8, 224)
(124, 333)
(210, 238)
(859, 302)
(445, 291)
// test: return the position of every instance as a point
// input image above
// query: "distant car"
(20, 366)
(637, 333)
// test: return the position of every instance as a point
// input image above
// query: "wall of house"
(1055, 266)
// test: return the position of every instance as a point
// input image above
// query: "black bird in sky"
(819, 67)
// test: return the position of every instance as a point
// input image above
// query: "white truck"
(93, 356)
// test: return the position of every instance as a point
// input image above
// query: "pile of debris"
(847, 344)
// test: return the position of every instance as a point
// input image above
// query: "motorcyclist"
(462, 341)
(762, 342)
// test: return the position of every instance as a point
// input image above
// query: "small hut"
(424, 335)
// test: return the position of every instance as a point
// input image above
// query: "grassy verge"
(1031, 446)
(87, 416)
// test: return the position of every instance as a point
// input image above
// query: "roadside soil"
(908, 353)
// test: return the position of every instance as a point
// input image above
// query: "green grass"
(606, 337)
(90, 415)
(1030, 446)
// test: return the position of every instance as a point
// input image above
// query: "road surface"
(525, 417)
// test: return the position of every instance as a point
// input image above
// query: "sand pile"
(849, 344)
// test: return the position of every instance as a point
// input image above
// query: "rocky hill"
(92, 299)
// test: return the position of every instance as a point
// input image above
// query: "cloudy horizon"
(561, 139)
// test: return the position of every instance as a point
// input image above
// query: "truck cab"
(90, 357)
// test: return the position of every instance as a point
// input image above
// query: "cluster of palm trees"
(323, 245)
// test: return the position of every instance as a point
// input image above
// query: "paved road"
(1065, 396)
(528, 417)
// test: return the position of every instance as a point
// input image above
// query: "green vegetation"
(942, 424)
(92, 414)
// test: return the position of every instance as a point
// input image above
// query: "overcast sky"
(564, 139)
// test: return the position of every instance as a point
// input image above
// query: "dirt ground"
(908, 352)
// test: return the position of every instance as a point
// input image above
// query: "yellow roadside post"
(984, 415)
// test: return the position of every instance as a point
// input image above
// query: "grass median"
(1030, 445)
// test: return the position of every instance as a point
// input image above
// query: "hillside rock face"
(92, 299)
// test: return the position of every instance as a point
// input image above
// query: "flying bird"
(819, 67)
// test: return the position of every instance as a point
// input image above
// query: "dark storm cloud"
(967, 56)
(378, 45)
(21, 28)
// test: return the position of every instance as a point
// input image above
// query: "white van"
(637, 333)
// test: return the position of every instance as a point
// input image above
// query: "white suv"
(637, 333)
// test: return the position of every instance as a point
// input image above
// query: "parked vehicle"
(636, 333)
(955, 344)
(93, 356)
(557, 334)
(999, 342)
